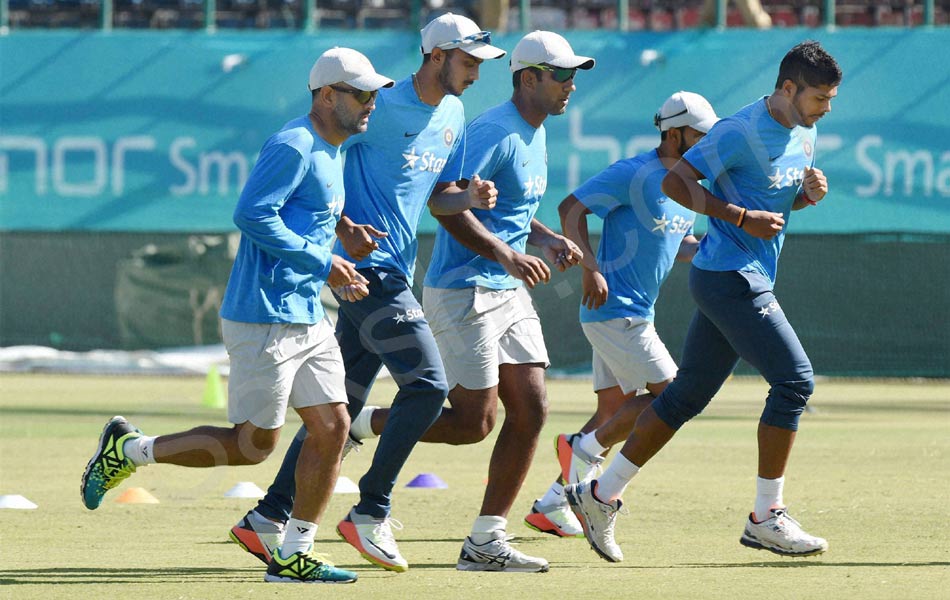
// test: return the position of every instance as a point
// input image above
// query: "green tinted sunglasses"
(362, 96)
(559, 74)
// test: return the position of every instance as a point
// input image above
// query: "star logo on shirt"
(661, 223)
(411, 158)
(764, 311)
(775, 179)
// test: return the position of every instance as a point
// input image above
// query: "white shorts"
(276, 364)
(629, 353)
(477, 329)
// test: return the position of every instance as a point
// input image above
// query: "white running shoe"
(374, 540)
(350, 445)
(781, 534)
(576, 465)
(597, 518)
(498, 555)
(257, 538)
(557, 520)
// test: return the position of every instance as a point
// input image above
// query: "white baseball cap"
(450, 31)
(547, 47)
(343, 65)
(686, 109)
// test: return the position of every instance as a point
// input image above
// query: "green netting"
(863, 305)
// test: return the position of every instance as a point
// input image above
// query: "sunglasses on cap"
(481, 36)
(362, 96)
(558, 74)
(657, 119)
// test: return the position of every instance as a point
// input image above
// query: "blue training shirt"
(503, 147)
(287, 214)
(753, 161)
(392, 168)
(641, 234)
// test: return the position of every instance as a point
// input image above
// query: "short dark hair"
(516, 76)
(809, 65)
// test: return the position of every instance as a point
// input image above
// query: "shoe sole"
(480, 568)
(236, 533)
(268, 578)
(750, 542)
(579, 513)
(355, 542)
(92, 461)
(565, 469)
(552, 530)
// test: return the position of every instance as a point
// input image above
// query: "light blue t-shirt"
(751, 160)
(502, 147)
(287, 214)
(392, 168)
(641, 235)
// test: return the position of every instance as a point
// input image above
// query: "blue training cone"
(427, 480)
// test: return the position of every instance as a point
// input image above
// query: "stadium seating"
(655, 15)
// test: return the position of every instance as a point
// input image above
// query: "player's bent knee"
(786, 402)
(675, 410)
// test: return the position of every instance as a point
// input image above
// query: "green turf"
(870, 472)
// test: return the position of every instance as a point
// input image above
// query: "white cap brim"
(483, 51)
(573, 62)
(370, 82)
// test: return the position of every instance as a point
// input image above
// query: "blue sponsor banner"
(157, 131)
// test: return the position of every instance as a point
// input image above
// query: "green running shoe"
(109, 466)
(305, 567)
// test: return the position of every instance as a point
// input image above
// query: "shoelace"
(383, 531)
(320, 558)
(350, 445)
(791, 526)
(118, 475)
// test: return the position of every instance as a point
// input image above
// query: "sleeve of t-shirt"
(606, 190)
(719, 150)
(276, 175)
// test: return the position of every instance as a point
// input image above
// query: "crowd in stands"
(654, 15)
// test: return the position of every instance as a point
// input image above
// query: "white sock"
(362, 426)
(613, 482)
(768, 495)
(590, 445)
(554, 495)
(484, 526)
(298, 537)
(140, 450)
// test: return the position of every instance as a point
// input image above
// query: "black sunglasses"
(558, 74)
(362, 96)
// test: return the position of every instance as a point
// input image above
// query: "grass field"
(870, 472)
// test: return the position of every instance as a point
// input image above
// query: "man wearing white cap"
(391, 172)
(643, 234)
(759, 163)
(280, 342)
(484, 322)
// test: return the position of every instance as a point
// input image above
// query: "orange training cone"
(136, 495)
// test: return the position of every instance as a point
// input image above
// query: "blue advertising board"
(157, 131)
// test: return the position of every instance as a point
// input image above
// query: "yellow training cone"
(214, 391)
(136, 495)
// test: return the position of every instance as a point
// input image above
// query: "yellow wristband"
(741, 218)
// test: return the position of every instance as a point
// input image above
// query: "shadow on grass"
(122, 576)
(804, 563)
